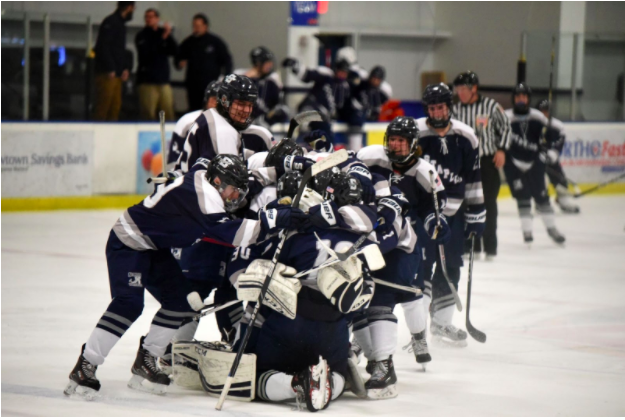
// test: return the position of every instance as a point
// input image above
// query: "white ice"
(555, 319)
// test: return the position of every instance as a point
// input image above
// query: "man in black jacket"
(205, 57)
(154, 45)
(111, 66)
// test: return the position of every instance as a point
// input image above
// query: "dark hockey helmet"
(405, 127)
(233, 87)
(437, 94)
(232, 174)
(289, 183)
(467, 78)
(286, 147)
(521, 108)
(211, 90)
(341, 65)
(260, 55)
(378, 72)
(343, 189)
(320, 181)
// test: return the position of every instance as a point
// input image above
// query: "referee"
(492, 128)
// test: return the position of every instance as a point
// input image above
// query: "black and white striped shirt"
(489, 121)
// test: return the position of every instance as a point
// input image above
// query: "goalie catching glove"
(343, 284)
(283, 289)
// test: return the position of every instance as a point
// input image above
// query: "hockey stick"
(327, 163)
(163, 179)
(564, 179)
(372, 254)
(212, 308)
(596, 187)
(441, 248)
(301, 119)
(414, 290)
(474, 332)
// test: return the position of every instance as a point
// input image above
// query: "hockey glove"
(293, 63)
(284, 218)
(474, 224)
(324, 215)
(293, 163)
(363, 175)
(282, 292)
(548, 156)
(443, 230)
(389, 209)
(344, 286)
(318, 141)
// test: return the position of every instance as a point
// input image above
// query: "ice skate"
(313, 386)
(146, 374)
(448, 335)
(556, 236)
(82, 379)
(418, 344)
(383, 382)
(528, 238)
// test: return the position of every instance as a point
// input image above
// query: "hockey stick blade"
(330, 161)
(372, 255)
(302, 118)
(477, 335)
(441, 248)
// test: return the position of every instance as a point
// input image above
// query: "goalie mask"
(406, 128)
(228, 174)
(435, 95)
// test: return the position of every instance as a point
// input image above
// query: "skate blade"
(141, 384)
(383, 393)
(449, 343)
(74, 390)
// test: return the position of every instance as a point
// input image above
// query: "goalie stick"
(478, 335)
(327, 163)
(441, 248)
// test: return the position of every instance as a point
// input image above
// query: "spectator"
(206, 57)
(154, 45)
(111, 66)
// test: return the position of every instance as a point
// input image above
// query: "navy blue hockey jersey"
(456, 159)
(179, 213)
(211, 135)
(329, 95)
(527, 135)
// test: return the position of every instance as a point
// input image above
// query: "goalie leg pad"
(343, 284)
(185, 365)
(215, 361)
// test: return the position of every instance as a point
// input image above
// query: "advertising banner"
(149, 158)
(46, 164)
(593, 153)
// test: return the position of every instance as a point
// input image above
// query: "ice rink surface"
(555, 319)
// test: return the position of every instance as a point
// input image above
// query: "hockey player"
(398, 163)
(186, 121)
(138, 256)
(533, 146)
(304, 358)
(555, 172)
(268, 110)
(228, 127)
(491, 125)
(452, 148)
(374, 92)
(330, 94)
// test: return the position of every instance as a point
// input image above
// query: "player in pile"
(398, 163)
(139, 257)
(533, 147)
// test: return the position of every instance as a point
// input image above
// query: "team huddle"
(355, 234)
